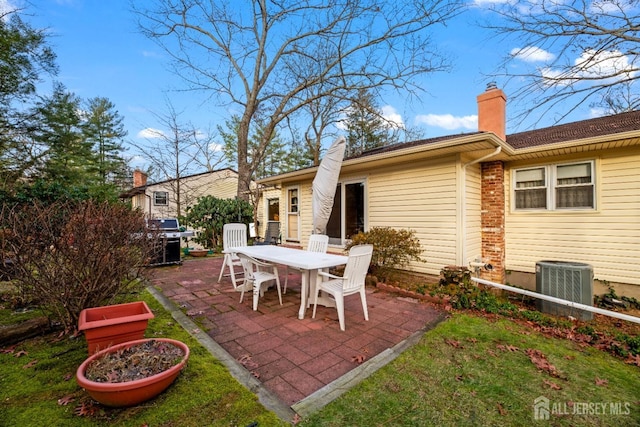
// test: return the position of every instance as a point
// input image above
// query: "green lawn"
(40, 372)
(471, 371)
(468, 371)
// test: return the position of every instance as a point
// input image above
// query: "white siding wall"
(422, 197)
(473, 238)
(222, 184)
(608, 238)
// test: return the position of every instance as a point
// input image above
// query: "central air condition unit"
(571, 281)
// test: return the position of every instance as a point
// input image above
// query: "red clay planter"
(114, 324)
(130, 393)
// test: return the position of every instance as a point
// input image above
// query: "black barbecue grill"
(168, 250)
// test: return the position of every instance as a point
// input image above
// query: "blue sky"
(101, 53)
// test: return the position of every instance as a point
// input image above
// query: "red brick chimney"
(492, 105)
(139, 178)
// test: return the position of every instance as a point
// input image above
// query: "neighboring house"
(159, 199)
(568, 193)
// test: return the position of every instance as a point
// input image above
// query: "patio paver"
(292, 358)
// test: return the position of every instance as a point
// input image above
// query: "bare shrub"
(392, 249)
(68, 256)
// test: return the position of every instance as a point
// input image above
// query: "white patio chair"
(258, 274)
(317, 243)
(233, 235)
(353, 281)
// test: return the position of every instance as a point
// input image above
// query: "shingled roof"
(607, 125)
(409, 144)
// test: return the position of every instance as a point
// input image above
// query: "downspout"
(463, 203)
(149, 198)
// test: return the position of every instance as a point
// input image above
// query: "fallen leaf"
(568, 357)
(247, 362)
(30, 364)
(552, 385)
(601, 381)
(358, 359)
(501, 409)
(195, 312)
(459, 377)
(20, 353)
(296, 419)
(8, 350)
(64, 401)
(633, 360)
(85, 409)
(541, 362)
(453, 343)
(68, 376)
(491, 353)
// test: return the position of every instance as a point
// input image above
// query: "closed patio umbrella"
(324, 185)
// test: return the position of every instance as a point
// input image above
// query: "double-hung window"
(555, 187)
(160, 198)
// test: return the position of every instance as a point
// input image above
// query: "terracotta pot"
(114, 324)
(199, 252)
(131, 392)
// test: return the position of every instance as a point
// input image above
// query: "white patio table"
(308, 262)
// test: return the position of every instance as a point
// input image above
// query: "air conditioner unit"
(571, 281)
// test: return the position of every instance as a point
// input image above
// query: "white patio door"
(293, 214)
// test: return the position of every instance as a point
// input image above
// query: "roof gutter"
(463, 204)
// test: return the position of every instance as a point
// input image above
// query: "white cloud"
(215, 147)
(150, 133)
(150, 54)
(595, 64)
(393, 118)
(532, 54)
(6, 7)
(448, 121)
(489, 2)
(605, 65)
(607, 6)
(598, 112)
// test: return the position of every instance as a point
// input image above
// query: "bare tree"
(248, 54)
(177, 151)
(588, 51)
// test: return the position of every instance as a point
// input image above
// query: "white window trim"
(551, 185)
(289, 214)
(343, 216)
(155, 203)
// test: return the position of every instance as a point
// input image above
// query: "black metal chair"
(271, 235)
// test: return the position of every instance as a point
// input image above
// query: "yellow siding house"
(569, 192)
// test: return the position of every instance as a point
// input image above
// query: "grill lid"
(166, 224)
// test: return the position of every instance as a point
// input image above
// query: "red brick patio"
(292, 358)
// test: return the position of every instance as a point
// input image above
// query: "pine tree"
(68, 157)
(24, 58)
(103, 128)
(366, 129)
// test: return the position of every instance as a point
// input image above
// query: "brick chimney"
(492, 111)
(139, 178)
